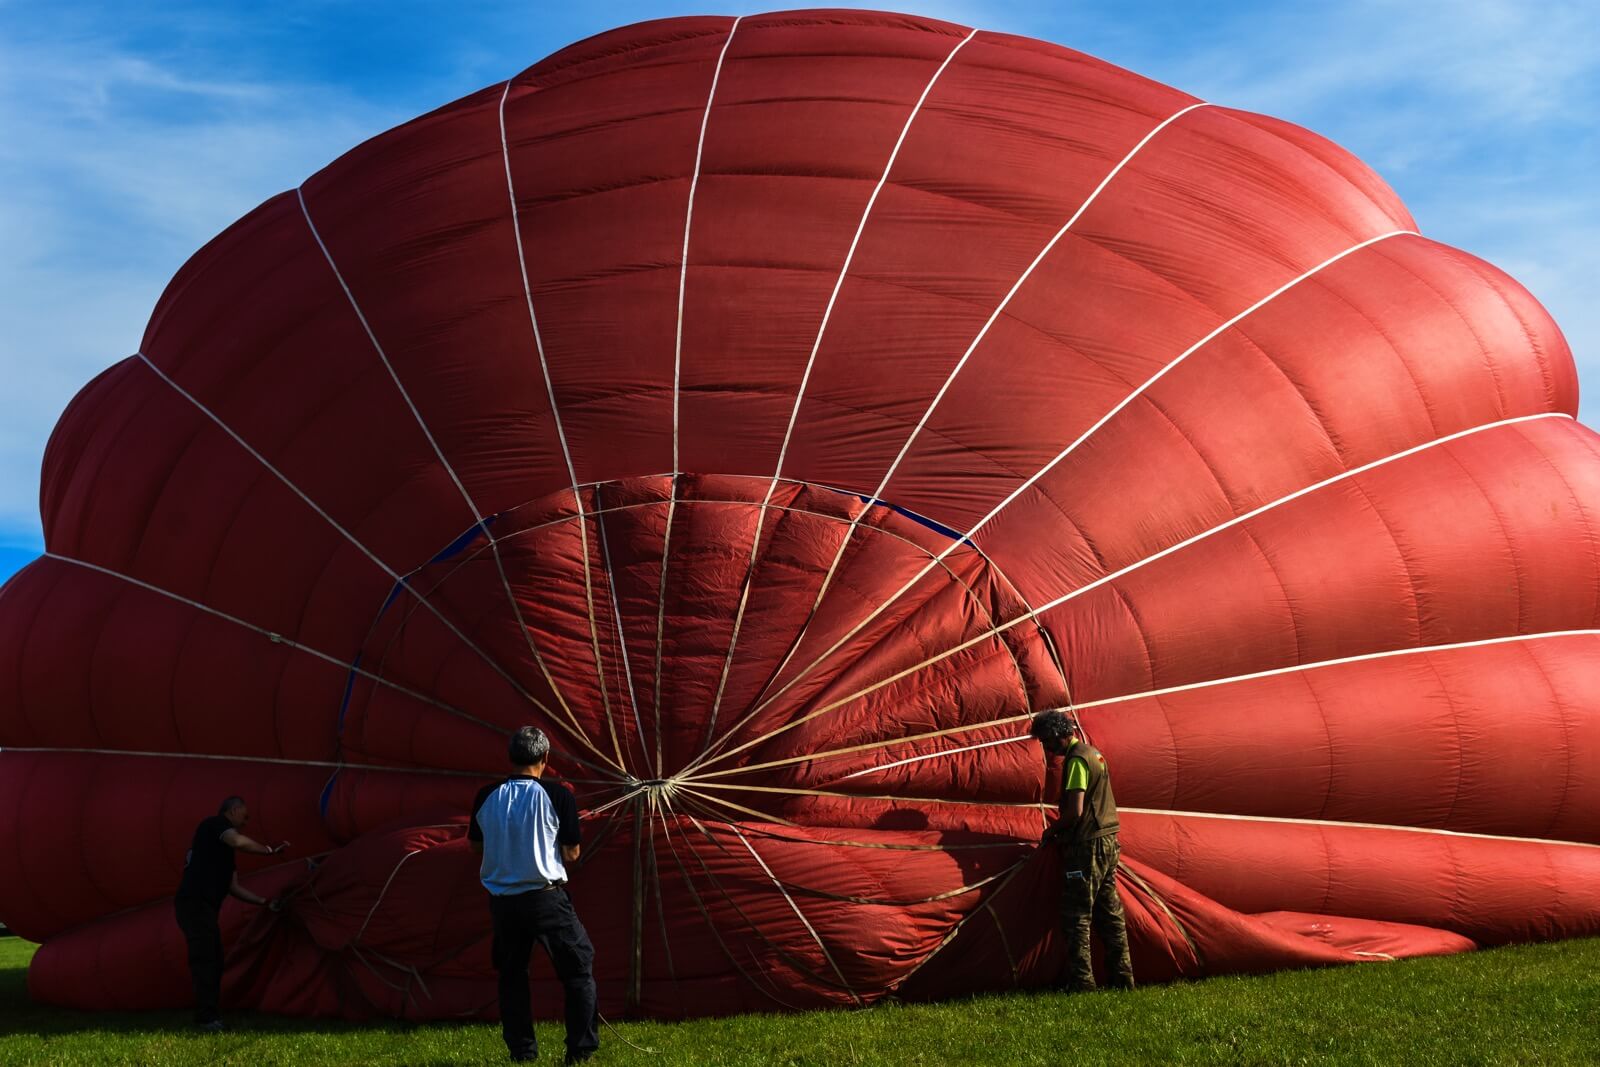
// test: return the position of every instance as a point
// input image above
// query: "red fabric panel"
(1459, 883)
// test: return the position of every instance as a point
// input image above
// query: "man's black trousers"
(198, 921)
(544, 917)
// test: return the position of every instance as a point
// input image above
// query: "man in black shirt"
(208, 877)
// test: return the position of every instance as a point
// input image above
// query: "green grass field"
(1534, 1004)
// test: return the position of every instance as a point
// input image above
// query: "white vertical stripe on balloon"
(815, 757)
(1069, 449)
(795, 908)
(287, 642)
(616, 614)
(994, 316)
(359, 546)
(1287, 821)
(477, 515)
(1203, 535)
(805, 378)
(561, 435)
(677, 369)
(932, 755)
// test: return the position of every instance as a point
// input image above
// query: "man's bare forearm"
(234, 839)
(244, 894)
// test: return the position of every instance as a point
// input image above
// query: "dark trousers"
(198, 921)
(1089, 898)
(544, 917)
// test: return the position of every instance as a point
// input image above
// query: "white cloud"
(110, 184)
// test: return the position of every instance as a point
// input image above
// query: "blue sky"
(130, 134)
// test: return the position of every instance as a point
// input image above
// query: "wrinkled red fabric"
(777, 411)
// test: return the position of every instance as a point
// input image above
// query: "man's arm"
(234, 839)
(1073, 807)
(1072, 794)
(237, 890)
(569, 834)
(474, 831)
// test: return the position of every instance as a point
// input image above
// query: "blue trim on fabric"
(327, 793)
(454, 548)
(349, 688)
(920, 520)
(459, 545)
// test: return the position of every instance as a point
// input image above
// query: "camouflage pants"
(1089, 897)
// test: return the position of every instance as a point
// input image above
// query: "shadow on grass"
(20, 1016)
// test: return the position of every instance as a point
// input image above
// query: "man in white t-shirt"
(527, 830)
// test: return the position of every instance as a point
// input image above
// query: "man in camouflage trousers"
(1087, 833)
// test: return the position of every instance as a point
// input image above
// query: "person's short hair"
(1052, 725)
(529, 746)
(229, 804)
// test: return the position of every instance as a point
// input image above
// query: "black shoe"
(524, 1057)
(578, 1057)
(212, 1026)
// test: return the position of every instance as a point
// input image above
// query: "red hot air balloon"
(777, 411)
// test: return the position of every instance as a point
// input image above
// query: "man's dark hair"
(229, 804)
(1052, 725)
(529, 746)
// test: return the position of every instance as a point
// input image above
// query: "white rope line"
(1015, 287)
(276, 760)
(661, 619)
(761, 815)
(677, 375)
(886, 845)
(877, 494)
(823, 948)
(561, 433)
(1364, 468)
(278, 639)
(1073, 594)
(616, 615)
(700, 905)
(598, 512)
(711, 879)
(329, 519)
(405, 394)
(381, 894)
(1004, 879)
(815, 757)
(384, 358)
(356, 543)
(688, 222)
(1069, 449)
(788, 508)
(618, 800)
(1359, 826)
(892, 799)
(1002, 505)
(805, 378)
(1337, 662)
(932, 755)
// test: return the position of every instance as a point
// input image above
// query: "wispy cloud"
(115, 169)
(1479, 112)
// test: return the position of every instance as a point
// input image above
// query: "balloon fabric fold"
(777, 411)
